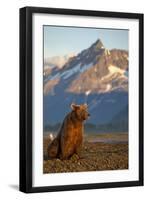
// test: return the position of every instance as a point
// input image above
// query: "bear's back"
(71, 135)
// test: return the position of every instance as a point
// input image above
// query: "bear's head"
(80, 111)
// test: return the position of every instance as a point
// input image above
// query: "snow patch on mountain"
(77, 69)
(85, 67)
(107, 52)
(113, 71)
(108, 87)
(68, 73)
(55, 76)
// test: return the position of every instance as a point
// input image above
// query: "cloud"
(57, 61)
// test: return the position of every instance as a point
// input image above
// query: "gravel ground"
(95, 156)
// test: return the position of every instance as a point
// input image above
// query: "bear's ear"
(74, 106)
(85, 105)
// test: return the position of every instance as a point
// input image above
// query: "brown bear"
(70, 137)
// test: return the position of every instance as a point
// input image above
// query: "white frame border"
(132, 174)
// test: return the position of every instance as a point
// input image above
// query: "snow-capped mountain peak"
(95, 68)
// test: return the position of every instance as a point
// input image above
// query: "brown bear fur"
(70, 137)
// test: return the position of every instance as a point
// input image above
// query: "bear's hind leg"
(53, 149)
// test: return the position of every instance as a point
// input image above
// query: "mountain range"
(97, 76)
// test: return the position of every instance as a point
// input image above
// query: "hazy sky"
(60, 41)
